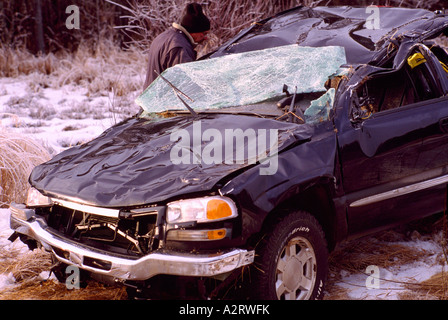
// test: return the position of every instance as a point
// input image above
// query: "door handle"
(443, 124)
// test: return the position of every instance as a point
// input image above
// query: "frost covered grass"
(19, 154)
(78, 95)
(102, 70)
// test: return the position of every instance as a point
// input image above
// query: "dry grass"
(104, 69)
(434, 287)
(51, 290)
(26, 270)
(19, 154)
(354, 257)
(24, 267)
(388, 250)
(357, 255)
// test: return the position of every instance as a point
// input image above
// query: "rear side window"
(414, 82)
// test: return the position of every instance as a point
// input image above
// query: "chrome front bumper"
(145, 267)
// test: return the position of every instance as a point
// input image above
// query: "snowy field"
(59, 118)
(405, 259)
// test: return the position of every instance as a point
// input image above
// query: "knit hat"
(194, 20)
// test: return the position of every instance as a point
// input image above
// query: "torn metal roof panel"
(348, 27)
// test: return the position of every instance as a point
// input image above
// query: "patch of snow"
(5, 232)
(7, 281)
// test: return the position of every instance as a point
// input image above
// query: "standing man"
(177, 44)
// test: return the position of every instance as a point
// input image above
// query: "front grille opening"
(97, 263)
(133, 237)
(61, 253)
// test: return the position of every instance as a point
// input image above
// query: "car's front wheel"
(292, 260)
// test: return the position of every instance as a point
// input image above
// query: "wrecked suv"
(306, 129)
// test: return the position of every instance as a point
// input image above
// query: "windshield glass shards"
(243, 79)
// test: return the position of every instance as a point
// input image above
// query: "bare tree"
(39, 27)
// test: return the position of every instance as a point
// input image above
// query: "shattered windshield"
(248, 79)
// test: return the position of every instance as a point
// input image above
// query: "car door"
(394, 158)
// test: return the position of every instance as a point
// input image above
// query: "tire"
(292, 260)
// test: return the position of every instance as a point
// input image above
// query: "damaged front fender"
(300, 168)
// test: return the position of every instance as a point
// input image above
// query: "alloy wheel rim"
(296, 270)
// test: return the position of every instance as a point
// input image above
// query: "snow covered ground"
(59, 118)
(395, 268)
(68, 116)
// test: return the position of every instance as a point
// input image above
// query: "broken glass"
(244, 78)
(319, 109)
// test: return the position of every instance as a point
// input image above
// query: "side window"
(421, 77)
(442, 55)
(412, 83)
(438, 47)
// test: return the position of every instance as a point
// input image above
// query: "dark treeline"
(41, 25)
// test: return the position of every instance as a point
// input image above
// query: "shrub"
(18, 156)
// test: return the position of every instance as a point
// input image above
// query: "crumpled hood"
(133, 162)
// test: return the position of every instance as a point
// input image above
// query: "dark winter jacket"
(171, 47)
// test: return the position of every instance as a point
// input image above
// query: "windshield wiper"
(178, 93)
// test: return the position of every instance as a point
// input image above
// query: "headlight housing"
(200, 210)
(37, 199)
